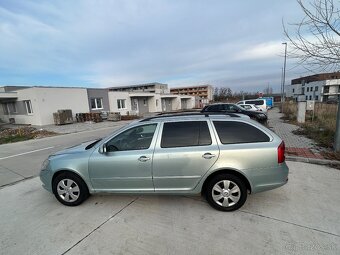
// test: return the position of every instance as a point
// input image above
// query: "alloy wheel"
(68, 190)
(226, 193)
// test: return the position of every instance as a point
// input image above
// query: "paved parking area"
(284, 130)
(296, 145)
(301, 217)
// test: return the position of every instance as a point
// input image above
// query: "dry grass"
(320, 126)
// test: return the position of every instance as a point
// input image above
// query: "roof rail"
(205, 114)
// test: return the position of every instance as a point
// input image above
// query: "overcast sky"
(112, 43)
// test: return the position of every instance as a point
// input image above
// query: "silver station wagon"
(224, 157)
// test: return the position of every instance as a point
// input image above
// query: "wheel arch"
(226, 171)
(61, 171)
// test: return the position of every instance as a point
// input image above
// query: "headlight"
(45, 164)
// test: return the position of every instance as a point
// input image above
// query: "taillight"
(281, 152)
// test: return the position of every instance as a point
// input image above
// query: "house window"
(306, 97)
(121, 103)
(11, 108)
(307, 89)
(28, 106)
(310, 97)
(316, 88)
(316, 97)
(311, 89)
(96, 103)
(144, 102)
(293, 90)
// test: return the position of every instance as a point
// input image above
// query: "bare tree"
(315, 41)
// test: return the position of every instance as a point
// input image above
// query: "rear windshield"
(233, 132)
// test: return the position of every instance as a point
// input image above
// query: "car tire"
(70, 189)
(226, 192)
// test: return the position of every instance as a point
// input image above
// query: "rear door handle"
(143, 158)
(208, 155)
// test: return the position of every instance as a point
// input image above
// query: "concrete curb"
(314, 161)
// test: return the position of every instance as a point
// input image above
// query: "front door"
(126, 165)
(184, 152)
(143, 105)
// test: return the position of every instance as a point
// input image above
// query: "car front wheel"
(226, 192)
(70, 189)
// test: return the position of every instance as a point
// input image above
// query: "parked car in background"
(258, 102)
(250, 107)
(191, 153)
(233, 108)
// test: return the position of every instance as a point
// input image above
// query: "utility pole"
(284, 78)
(337, 131)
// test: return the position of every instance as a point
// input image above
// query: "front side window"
(28, 106)
(185, 134)
(121, 103)
(96, 103)
(136, 138)
(233, 132)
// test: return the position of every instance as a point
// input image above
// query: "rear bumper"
(268, 178)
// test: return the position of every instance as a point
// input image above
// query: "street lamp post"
(284, 77)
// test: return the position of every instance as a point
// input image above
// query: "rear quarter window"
(233, 132)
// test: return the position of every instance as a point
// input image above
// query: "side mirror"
(102, 149)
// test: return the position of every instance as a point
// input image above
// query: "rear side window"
(186, 133)
(214, 108)
(256, 102)
(231, 132)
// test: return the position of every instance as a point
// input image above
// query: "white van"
(258, 102)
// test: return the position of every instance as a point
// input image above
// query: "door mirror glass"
(102, 148)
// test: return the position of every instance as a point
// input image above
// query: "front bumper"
(46, 179)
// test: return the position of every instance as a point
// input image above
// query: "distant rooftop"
(184, 87)
(317, 77)
(138, 85)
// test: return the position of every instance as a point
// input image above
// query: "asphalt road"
(22, 160)
(301, 217)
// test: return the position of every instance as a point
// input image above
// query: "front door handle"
(208, 155)
(143, 158)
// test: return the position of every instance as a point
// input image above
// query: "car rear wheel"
(226, 192)
(70, 189)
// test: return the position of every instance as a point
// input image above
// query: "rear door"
(184, 152)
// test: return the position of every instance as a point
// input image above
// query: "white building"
(320, 87)
(36, 105)
(147, 98)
